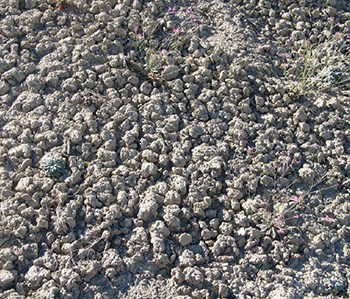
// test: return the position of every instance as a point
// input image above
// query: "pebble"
(6, 278)
(171, 72)
(36, 276)
(185, 239)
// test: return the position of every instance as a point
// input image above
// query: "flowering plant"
(321, 64)
(159, 42)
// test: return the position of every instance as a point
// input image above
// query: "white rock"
(127, 154)
(172, 123)
(283, 292)
(13, 76)
(70, 85)
(307, 174)
(89, 269)
(75, 136)
(150, 156)
(172, 221)
(112, 258)
(193, 276)
(147, 209)
(23, 150)
(36, 276)
(25, 185)
(172, 198)
(107, 156)
(28, 101)
(69, 279)
(226, 228)
(179, 184)
(34, 83)
(149, 170)
(187, 258)
(6, 278)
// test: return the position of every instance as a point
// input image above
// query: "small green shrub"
(158, 40)
(53, 166)
(321, 65)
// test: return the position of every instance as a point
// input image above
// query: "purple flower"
(190, 14)
(294, 198)
(278, 218)
(171, 9)
(163, 51)
(328, 219)
(284, 54)
(176, 30)
(281, 231)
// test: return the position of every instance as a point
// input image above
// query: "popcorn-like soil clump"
(174, 149)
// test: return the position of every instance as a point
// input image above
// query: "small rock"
(75, 136)
(185, 239)
(133, 80)
(25, 185)
(172, 124)
(70, 85)
(193, 276)
(172, 198)
(147, 210)
(36, 276)
(170, 73)
(149, 170)
(22, 150)
(146, 88)
(69, 279)
(6, 278)
(307, 174)
(4, 88)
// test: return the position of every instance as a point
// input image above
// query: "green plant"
(53, 166)
(160, 41)
(283, 207)
(336, 287)
(322, 65)
(154, 61)
(279, 202)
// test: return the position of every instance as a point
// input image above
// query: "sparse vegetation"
(53, 166)
(322, 65)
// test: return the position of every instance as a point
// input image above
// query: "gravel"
(215, 174)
